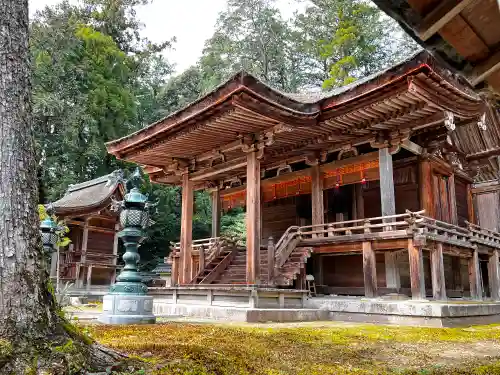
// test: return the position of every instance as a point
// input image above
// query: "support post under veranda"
(31, 325)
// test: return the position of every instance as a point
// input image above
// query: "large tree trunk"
(30, 326)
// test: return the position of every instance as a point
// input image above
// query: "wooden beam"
(476, 288)
(486, 154)
(186, 240)
(369, 270)
(494, 275)
(440, 16)
(386, 182)
(360, 201)
(412, 147)
(220, 168)
(485, 69)
(253, 214)
(416, 270)
(216, 212)
(437, 273)
(317, 196)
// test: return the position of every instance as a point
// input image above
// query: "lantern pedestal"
(127, 309)
(127, 301)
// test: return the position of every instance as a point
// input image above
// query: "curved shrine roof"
(89, 196)
(410, 96)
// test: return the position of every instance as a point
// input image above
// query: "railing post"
(201, 259)
(366, 224)
(270, 260)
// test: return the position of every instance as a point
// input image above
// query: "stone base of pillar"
(127, 309)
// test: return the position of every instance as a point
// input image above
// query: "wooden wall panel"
(488, 210)
(347, 270)
(462, 201)
(277, 217)
(100, 242)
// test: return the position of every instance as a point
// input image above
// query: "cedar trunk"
(30, 327)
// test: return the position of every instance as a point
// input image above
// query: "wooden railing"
(483, 236)
(352, 228)
(405, 225)
(196, 244)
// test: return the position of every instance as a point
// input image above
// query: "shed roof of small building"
(90, 196)
(162, 268)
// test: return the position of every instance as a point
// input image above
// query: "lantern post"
(127, 301)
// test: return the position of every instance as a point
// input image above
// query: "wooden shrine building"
(91, 258)
(369, 187)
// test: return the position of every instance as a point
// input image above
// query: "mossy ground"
(306, 349)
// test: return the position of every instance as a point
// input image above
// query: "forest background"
(95, 79)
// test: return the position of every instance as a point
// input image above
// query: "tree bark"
(29, 321)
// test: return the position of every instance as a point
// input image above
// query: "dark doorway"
(339, 203)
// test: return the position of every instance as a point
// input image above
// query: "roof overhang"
(465, 34)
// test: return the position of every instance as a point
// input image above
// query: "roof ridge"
(112, 178)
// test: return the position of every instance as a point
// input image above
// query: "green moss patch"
(322, 349)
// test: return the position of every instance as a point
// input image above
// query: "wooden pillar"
(425, 187)
(270, 261)
(494, 275)
(386, 182)
(416, 261)
(253, 214)
(85, 239)
(359, 203)
(175, 270)
(318, 210)
(392, 277)
(476, 289)
(437, 273)
(89, 277)
(369, 270)
(216, 212)
(77, 274)
(471, 206)
(186, 240)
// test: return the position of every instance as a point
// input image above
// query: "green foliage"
(233, 224)
(6, 351)
(62, 239)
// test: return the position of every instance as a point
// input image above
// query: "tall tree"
(30, 327)
(250, 35)
(342, 40)
(95, 80)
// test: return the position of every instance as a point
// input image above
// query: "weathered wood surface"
(494, 275)
(221, 267)
(216, 212)
(253, 215)
(425, 184)
(369, 270)
(387, 197)
(317, 196)
(392, 278)
(417, 280)
(437, 273)
(186, 240)
(476, 288)
(271, 253)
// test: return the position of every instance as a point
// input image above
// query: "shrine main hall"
(384, 190)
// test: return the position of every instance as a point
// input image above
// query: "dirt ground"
(305, 348)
